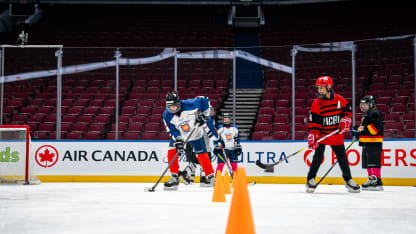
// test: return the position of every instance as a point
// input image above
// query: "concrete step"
(246, 91)
(240, 112)
(244, 117)
(240, 102)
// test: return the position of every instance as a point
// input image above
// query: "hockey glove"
(312, 141)
(217, 149)
(355, 133)
(179, 145)
(201, 119)
(345, 124)
(238, 150)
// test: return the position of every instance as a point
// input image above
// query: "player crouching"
(181, 118)
(329, 112)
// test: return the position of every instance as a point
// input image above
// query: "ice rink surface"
(126, 208)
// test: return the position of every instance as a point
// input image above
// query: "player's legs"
(339, 151)
(220, 162)
(173, 182)
(204, 159)
(232, 158)
(373, 156)
(174, 169)
(316, 163)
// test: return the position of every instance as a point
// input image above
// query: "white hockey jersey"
(229, 136)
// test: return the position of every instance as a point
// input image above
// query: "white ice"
(126, 208)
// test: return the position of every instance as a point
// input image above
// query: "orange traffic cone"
(240, 218)
(227, 183)
(234, 181)
(219, 193)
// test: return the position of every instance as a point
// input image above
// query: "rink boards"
(144, 161)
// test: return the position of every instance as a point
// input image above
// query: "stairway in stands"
(247, 105)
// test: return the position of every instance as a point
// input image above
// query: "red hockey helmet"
(324, 81)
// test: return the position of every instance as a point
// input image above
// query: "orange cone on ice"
(219, 193)
(240, 218)
(227, 183)
(234, 181)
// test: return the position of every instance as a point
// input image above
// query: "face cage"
(178, 109)
(227, 122)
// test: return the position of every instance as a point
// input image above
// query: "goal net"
(16, 157)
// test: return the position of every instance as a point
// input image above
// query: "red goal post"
(16, 156)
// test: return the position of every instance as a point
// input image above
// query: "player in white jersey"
(229, 138)
(210, 136)
(181, 117)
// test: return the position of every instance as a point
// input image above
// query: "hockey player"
(329, 112)
(370, 134)
(181, 118)
(210, 135)
(229, 138)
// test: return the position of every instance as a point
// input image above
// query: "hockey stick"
(152, 189)
(269, 166)
(226, 161)
(336, 162)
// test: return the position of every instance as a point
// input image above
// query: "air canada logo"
(46, 156)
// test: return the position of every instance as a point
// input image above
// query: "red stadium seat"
(74, 135)
(149, 136)
(46, 127)
(112, 135)
(93, 135)
(85, 119)
(135, 127)
(260, 136)
(138, 119)
(262, 128)
(152, 127)
(121, 127)
(279, 135)
(281, 120)
(80, 127)
(164, 136)
(282, 128)
(264, 119)
(131, 136)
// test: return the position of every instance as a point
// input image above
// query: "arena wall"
(144, 161)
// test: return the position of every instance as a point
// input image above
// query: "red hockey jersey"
(325, 117)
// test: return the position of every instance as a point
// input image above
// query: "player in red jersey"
(329, 112)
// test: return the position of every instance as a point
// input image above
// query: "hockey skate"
(185, 177)
(352, 186)
(310, 186)
(172, 183)
(209, 181)
(373, 184)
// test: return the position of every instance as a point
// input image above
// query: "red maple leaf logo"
(46, 156)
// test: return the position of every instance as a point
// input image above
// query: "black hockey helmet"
(370, 100)
(172, 99)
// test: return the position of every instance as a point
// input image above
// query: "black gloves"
(201, 119)
(179, 145)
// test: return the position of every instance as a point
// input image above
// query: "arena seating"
(89, 101)
(384, 69)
